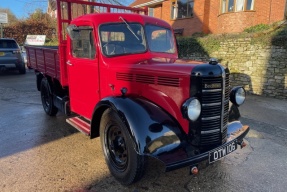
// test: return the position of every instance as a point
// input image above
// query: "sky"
(22, 8)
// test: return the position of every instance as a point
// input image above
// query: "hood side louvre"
(149, 79)
(168, 81)
(124, 76)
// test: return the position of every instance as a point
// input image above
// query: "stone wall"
(262, 70)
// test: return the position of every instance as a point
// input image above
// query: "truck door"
(83, 72)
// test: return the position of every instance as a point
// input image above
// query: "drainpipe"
(285, 12)
(270, 11)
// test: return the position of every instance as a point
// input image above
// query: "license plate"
(2, 53)
(222, 151)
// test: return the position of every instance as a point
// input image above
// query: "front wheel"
(47, 98)
(22, 69)
(124, 163)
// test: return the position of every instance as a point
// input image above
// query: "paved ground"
(41, 153)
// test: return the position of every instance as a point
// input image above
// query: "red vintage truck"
(116, 75)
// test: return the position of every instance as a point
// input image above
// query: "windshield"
(160, 39)
(122, 38)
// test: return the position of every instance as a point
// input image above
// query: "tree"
(39, 16)
(38, 23)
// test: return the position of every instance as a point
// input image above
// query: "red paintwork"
(89, 81)
(45, 60)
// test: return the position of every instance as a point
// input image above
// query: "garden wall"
(262, 70)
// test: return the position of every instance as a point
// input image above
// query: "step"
(80, 124)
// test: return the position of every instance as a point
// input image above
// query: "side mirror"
(73, 32)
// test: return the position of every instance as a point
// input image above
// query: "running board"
(79, 124)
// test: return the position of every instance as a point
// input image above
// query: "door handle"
(69, 63)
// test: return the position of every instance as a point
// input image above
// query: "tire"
(124, 163)
(47, 98)
(22, 69)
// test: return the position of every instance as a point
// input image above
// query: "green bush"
(204, 45)
(257, 28)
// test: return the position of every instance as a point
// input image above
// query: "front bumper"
(235, 131)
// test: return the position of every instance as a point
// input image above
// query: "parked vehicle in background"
(117, 77)
(11, 55)
(24, 54)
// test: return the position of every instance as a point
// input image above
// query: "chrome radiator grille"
(215, 105)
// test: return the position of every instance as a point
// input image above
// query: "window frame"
(175, 7)
(234, 10)
(149, 38)
(92, 56)
(151, 11)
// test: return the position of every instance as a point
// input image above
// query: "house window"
(182, 9)
(250, 4)
(236, 5)
(239, 5)
(150, 12)
(231, 6)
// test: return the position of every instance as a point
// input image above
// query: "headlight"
(191, 109)
(237, 96)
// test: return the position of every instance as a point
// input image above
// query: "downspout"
(270, 11)
(285, 12)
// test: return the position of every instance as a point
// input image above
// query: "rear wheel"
(47, 98)
(124, 163)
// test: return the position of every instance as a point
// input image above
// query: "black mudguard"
(152, 129)
(156, 133)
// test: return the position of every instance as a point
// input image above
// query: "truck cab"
(117, 77)
(103, 47)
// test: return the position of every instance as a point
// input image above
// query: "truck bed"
(45, 59)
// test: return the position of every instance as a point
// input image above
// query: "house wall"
(235, 22)
(157, 12)
(277, 10)
(190, 25)
(265, 12)
(208, 19)
(211, 11)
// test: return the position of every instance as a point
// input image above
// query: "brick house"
(214, 16)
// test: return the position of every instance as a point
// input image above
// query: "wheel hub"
(117, 147)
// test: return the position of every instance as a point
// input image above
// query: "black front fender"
(156, 133)
(152, 129)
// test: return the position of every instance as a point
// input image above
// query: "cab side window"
(83, 46)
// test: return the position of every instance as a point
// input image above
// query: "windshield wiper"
(129, 27)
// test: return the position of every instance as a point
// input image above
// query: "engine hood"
(166, 69)
(181, 68)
